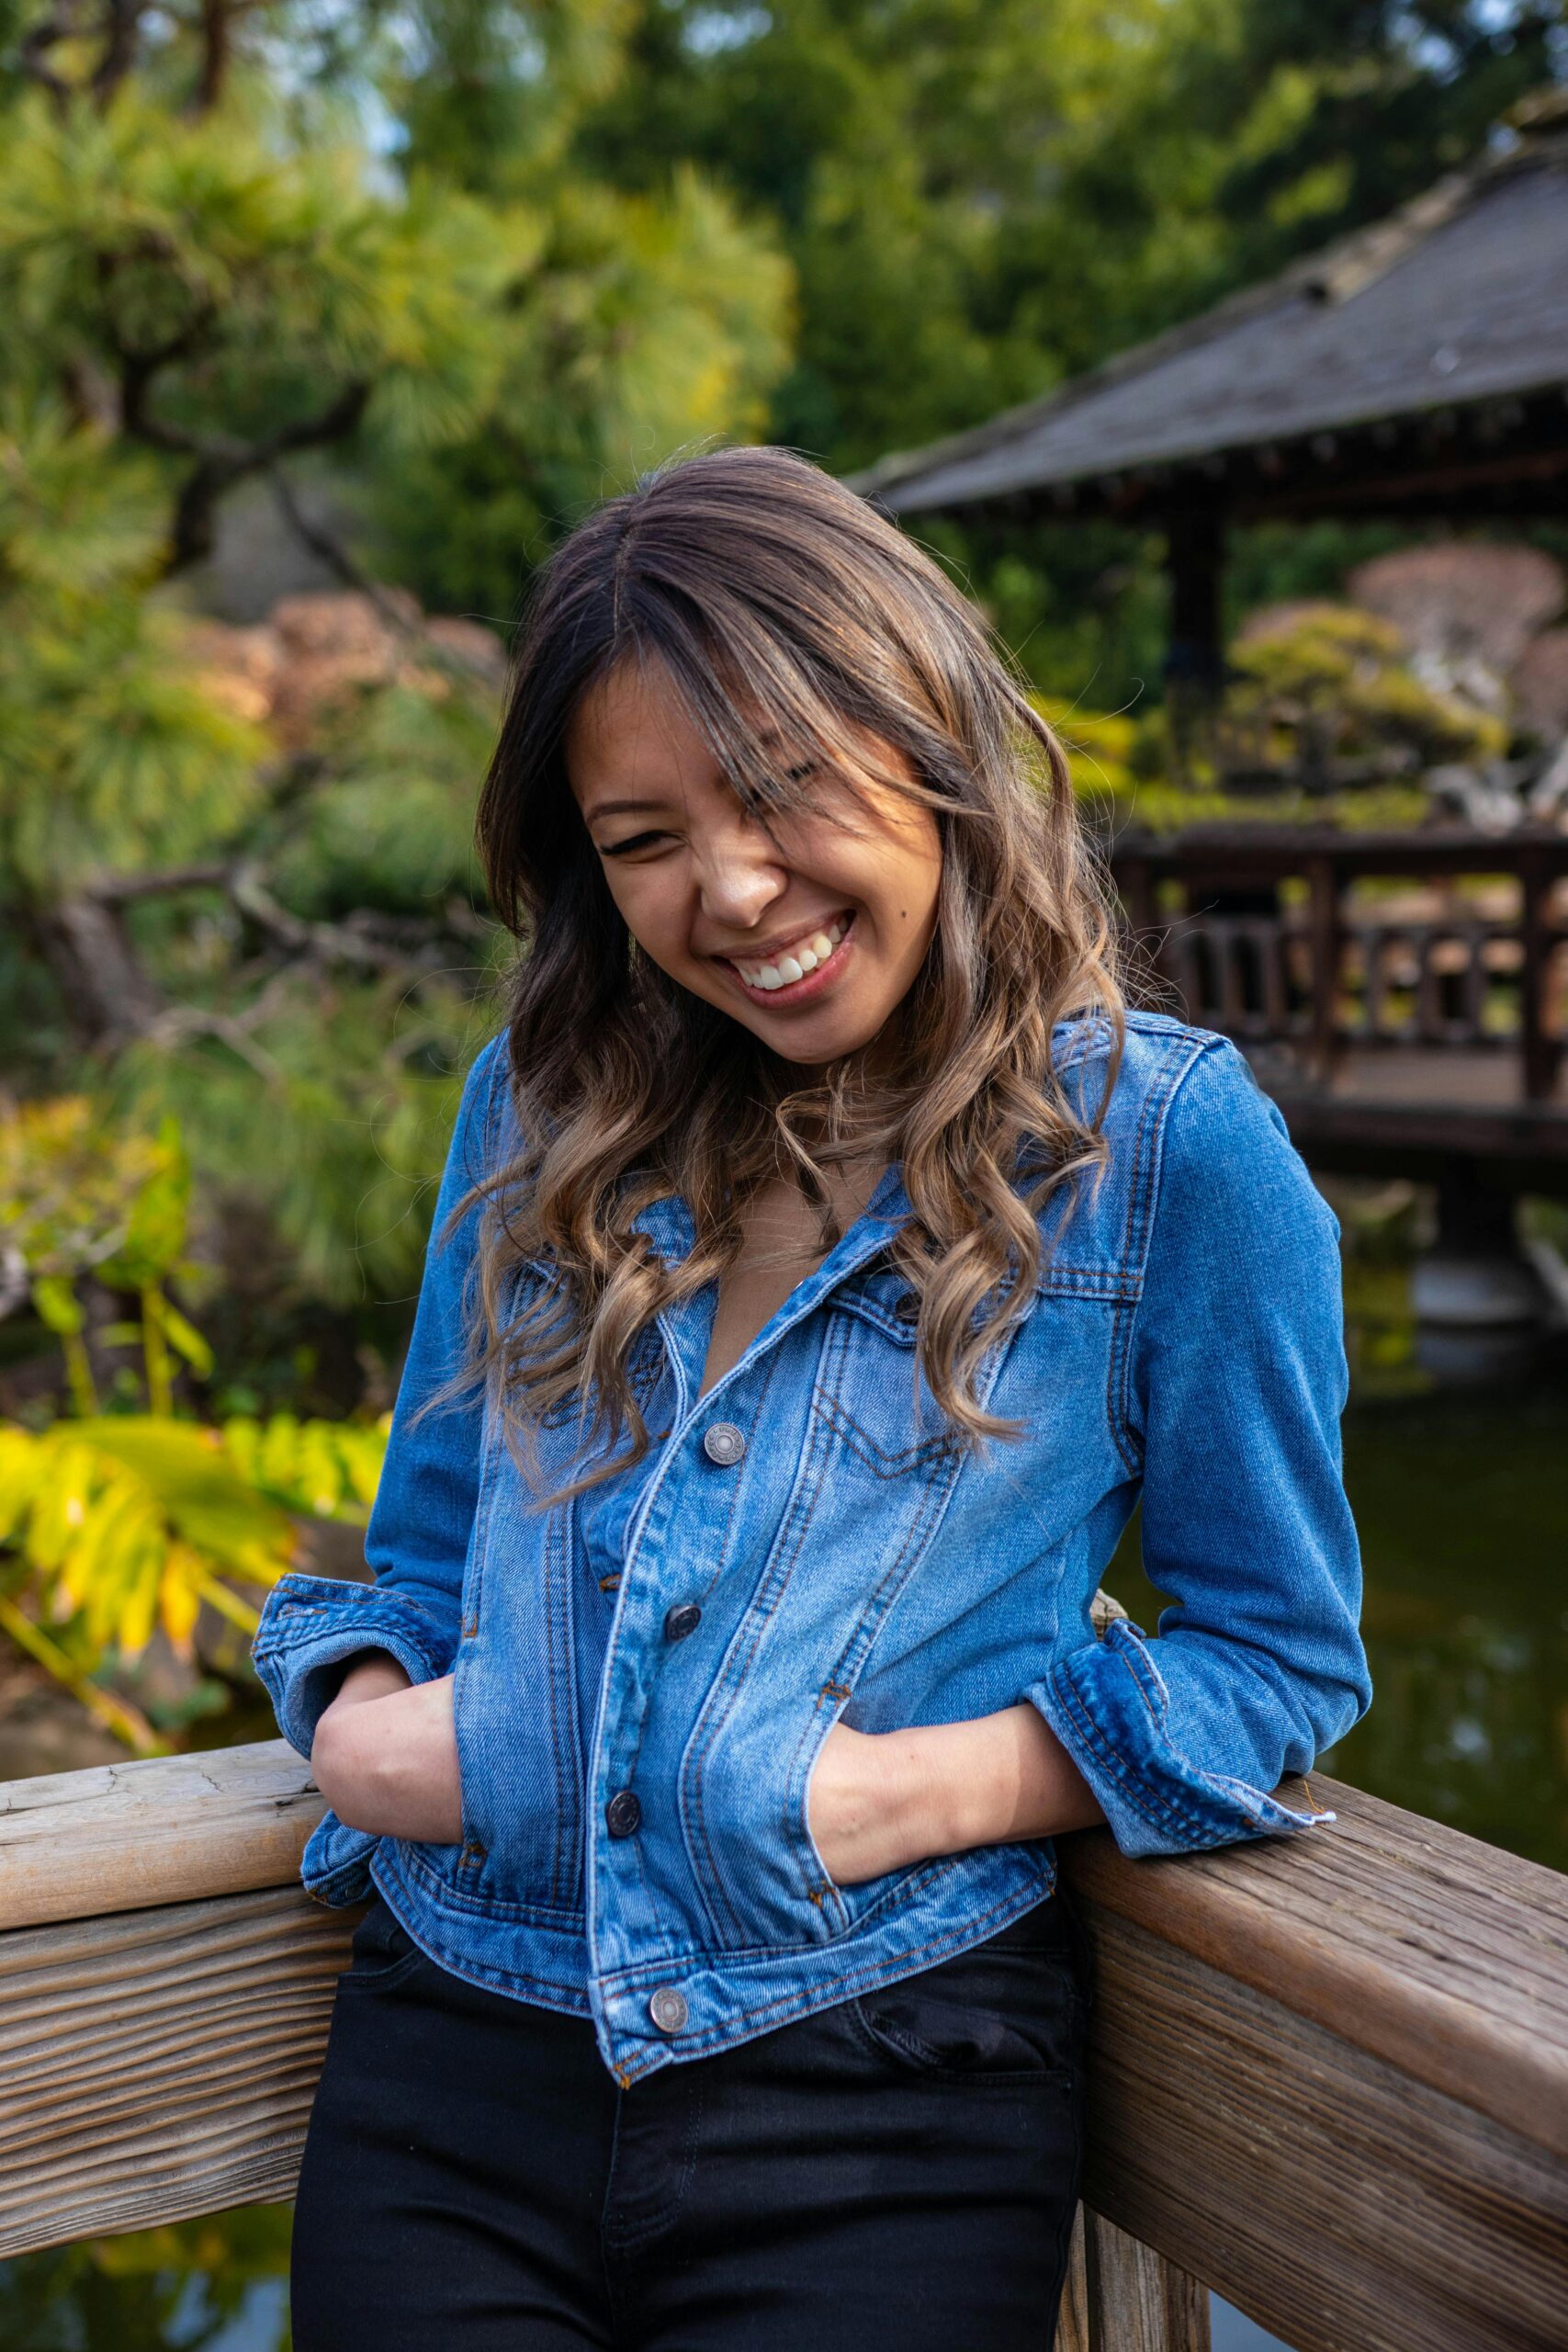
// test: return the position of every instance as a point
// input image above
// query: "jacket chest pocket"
(870, 1392)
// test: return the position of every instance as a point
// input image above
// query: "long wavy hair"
(786, 609)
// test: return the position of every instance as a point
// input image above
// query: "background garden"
(320, 321)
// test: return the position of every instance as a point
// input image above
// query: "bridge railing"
(1330, 2071)
(1335, 969)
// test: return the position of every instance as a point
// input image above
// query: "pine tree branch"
(324, 544)
(119, 890)
(221, 460)
(32, 53)
(123, 27)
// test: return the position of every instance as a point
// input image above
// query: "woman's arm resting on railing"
(385, 1754)
(1236, 1383)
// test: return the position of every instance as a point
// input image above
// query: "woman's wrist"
(385, 1756)
(990, 1780)
(880, 1801)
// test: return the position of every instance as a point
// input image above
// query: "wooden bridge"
(1330, 2072)
(1403, 1024)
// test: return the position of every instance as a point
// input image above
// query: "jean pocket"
(383, 1950)
(1000, 2013)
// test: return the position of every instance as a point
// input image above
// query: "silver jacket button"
(724, 1444)
(667, 2009)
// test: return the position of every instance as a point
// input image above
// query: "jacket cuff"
(309, 1625)
(334, 1867)
(1108, 1704)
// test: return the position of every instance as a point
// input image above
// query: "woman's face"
(806, 932)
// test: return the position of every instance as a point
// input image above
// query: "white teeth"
(793, 965)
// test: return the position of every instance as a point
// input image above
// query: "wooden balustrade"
(1330, 2070)
(1335, 971)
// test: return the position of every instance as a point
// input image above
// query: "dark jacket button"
(667, 2009)
(623, 1812)
(724, 1444)
(683, 1619)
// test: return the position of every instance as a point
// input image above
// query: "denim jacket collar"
(688, 1326)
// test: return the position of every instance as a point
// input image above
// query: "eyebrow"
(618, 808)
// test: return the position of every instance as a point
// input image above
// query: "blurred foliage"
(1325, 685)
(114, 1524)
(220, 2279)
(112, 1528)
(229, 244)
(980, 202)
(113, 753)
(77, 1201)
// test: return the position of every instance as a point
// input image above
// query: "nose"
(740, 872)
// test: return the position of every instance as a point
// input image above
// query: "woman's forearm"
(881, 1800)
(385, 1754)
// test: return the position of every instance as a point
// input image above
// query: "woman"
(826, 1262)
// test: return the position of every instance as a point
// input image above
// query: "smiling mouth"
(785, 975)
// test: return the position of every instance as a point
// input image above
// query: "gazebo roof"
(1423, 359)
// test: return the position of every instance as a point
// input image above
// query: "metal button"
(667, 2009)
(623, 1812)
(724, 1444)
(683, 1619)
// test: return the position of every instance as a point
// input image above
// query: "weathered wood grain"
(1122, 2296)
(1428, 1950)
(160, 2063)
(152, 1830)
(1340, 2202)
(1330, 2071)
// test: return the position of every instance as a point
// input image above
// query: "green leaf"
(187, 1339)
(58, 1304)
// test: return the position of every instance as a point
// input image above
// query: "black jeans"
(897, 2171)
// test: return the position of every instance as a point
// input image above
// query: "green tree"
(235, 245)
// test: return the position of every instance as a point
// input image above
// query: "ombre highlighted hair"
(786, 609)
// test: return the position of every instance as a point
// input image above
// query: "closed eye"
(633, 840)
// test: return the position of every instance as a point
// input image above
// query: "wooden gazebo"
(1416, 368)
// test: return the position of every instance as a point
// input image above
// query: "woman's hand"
(385, 1754)
(880, 1799)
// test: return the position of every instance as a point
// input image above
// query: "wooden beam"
(1330, 2070)
(1120, 2296)
(153, 1830)
(1334, 2198)
(159, 2063)
(1439, 1957)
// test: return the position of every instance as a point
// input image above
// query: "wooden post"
(1538, 1047)
(1137, 887)
(1120, 2296)
(1195, 660)
(1324, 884)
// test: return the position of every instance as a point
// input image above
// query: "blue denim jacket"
(644, 1675)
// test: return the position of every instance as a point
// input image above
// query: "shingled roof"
(1453, 314)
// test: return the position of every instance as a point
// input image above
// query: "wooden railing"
(1330, 2070)
(1335, 970)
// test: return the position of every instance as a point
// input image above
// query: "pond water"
(1461, 1494)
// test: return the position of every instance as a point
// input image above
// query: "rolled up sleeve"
(1235, 1384)
(416, 1541)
